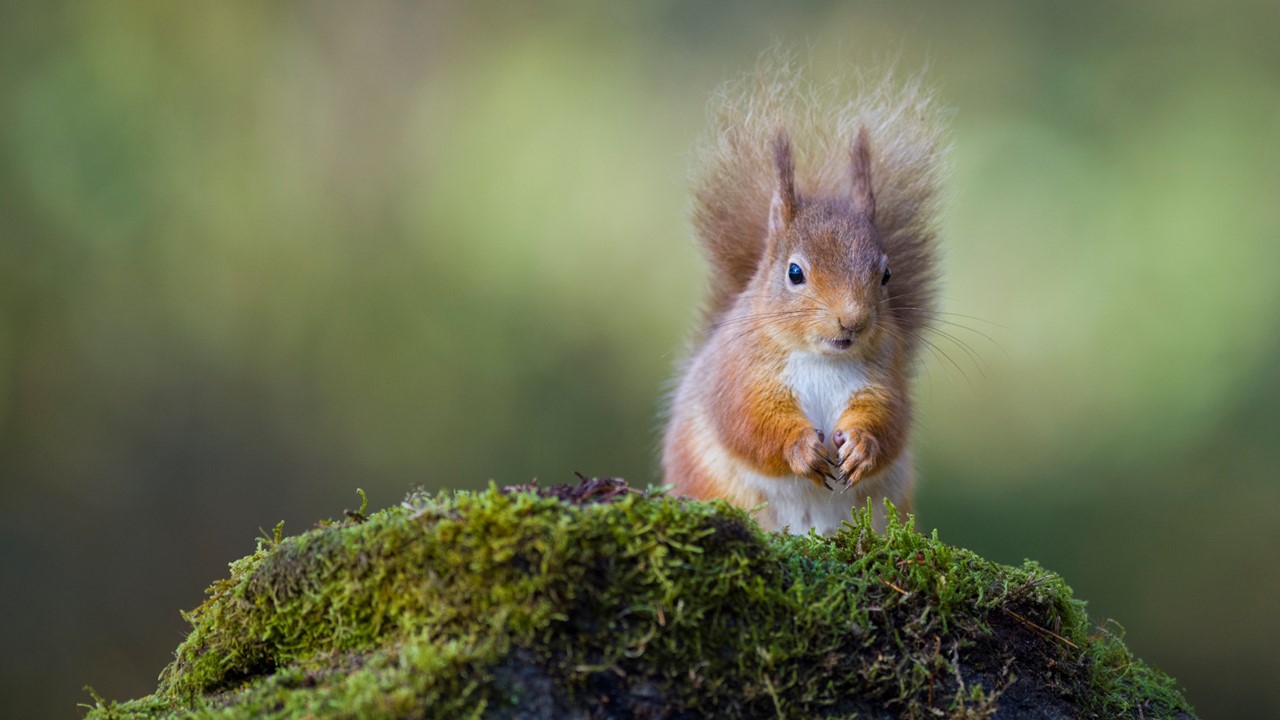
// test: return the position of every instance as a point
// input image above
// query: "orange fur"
(750, 417)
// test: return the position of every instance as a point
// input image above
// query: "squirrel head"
(823, 282)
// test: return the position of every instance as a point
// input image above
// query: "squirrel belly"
(798, 505)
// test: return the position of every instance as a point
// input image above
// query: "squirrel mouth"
(840, 343)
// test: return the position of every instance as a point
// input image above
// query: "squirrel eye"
(885, 280)
(795, 274)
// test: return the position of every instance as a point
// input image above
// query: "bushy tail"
(734, 178)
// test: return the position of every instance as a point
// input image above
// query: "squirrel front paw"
(857, 453)
(807, 455)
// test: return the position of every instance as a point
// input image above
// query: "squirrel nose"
(854, 322)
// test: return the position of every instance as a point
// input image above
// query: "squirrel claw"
(808, 458)
(858, 453)
(823, 478)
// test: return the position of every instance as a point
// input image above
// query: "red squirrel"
(817, 216)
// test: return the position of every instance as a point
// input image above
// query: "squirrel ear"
(864, 202)
(783, 208)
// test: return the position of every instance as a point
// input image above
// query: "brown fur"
(862, 196)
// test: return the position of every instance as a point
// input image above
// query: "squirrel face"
(824, 279)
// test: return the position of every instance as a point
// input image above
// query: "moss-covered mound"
(597, 601)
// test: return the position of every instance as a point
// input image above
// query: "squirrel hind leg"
(682, 471)
(697, 467)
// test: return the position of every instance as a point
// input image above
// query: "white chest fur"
(823, 385)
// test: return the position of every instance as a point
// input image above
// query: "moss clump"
(600, 601)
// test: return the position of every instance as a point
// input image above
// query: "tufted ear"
(782, 210)
(864, 201)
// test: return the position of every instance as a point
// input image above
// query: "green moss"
(519, 604)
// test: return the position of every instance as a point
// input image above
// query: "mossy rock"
(599, 601)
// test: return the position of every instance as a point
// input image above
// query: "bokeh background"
(256, 255)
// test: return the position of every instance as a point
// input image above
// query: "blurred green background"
(256, 255)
